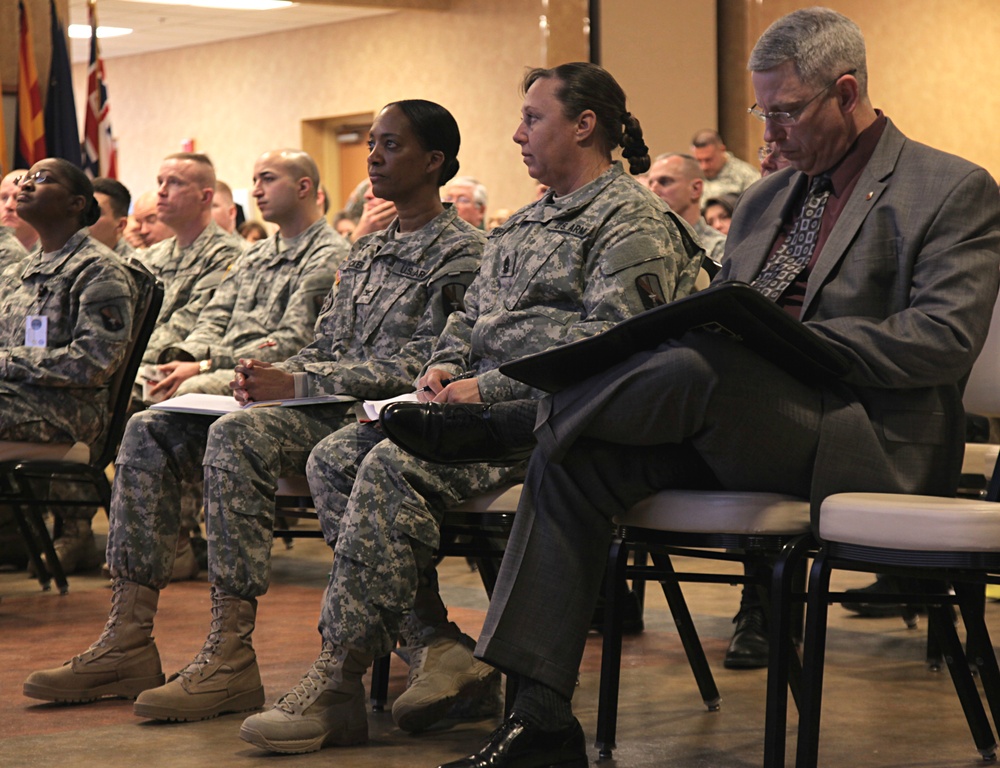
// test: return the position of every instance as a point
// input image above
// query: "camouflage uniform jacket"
(393, 296)
(126, 251)
(561, 270)
(11, 249)
(267, 304)
(189, 276)
(88, 298)
(735, 176)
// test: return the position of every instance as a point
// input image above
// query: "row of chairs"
(952, 540)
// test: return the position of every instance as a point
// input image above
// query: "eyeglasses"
(38, 177)
(791, 118)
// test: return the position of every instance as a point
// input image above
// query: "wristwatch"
(204, 366)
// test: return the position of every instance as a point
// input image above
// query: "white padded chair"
(955, 541)
(716, 525)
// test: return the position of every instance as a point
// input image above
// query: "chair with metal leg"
(952, 540)
(722, 526)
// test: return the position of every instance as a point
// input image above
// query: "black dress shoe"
(749, 647)
(449, 433)
(515, 744)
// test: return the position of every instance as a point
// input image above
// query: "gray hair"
(479, 196)
(822, 44)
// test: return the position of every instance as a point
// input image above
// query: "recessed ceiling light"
(82, 31)
(226, 5)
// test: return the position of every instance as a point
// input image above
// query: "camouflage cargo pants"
(384, 529)
(243, 455)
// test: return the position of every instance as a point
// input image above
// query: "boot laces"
(417, 660)
(312, 684)
(204, 656)
(751, 619)
(109, 634)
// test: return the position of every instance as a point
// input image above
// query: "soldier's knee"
(328, 458)
(229, 433)
(383, 459)
(141, 432)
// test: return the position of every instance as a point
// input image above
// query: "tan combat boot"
(326, 708)
(443, 674)
(123, 662)
(223, 676)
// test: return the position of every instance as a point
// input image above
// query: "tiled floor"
(882, 707)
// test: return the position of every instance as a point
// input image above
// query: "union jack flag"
(99, 152)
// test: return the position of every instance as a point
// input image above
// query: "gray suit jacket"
(904, 287)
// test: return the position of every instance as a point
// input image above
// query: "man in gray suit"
(900, 274)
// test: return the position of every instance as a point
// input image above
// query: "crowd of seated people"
(405, 292)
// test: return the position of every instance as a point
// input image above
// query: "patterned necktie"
(788, 261)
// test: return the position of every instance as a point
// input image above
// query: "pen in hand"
(446, 382)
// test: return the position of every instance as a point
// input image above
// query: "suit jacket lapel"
(866, 194)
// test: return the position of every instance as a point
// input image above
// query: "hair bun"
(634, 149)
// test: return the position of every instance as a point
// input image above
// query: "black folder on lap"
(731, 308)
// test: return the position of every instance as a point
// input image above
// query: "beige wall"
(663, 53)
(237, 99)
(931, 70)
(932, 65)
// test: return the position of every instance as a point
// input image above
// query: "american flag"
(99, 153)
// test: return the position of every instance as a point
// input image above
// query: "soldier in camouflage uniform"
(192, 263)
(79, 299)
(596, 249)
(377, 328)
(12, 550)
(65, 316)
(678, 180)
(266, 306)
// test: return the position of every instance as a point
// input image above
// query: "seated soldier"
(266, 306)
(67, 320)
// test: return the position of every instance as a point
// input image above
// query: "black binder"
(731, 308)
